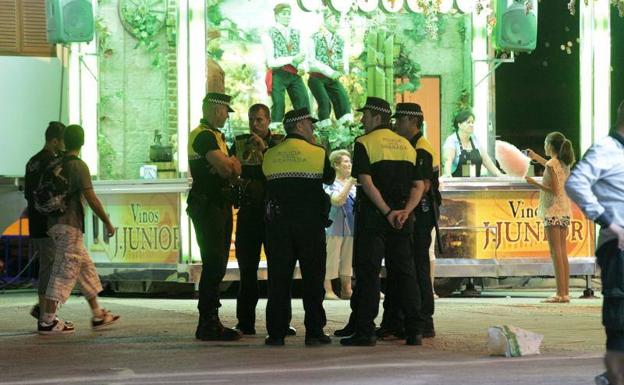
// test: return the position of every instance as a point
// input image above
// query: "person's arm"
(536, 157)
(206, 144)
(269, 52)
(585, 174)
(449, 156)
(340, 198)
(96, 205)
(316, 65)
(416, 193)
(373, 194)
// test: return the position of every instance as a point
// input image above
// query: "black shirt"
(295, 172)
(206, 180)
(37, 222)
(252, 183)
(390, 161)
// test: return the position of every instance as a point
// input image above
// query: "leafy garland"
(145, 26)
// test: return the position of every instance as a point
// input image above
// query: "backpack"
(50, 196)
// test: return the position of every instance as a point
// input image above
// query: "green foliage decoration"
(338, 135)
(144, 24)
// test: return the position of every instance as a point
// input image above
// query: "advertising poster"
(505, 225)
(147, 226)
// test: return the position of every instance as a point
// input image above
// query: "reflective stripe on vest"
(385, 145)
(294, 158)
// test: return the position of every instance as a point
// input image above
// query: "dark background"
(540, 92)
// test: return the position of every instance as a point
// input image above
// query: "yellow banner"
(147, 226)
(505, 225)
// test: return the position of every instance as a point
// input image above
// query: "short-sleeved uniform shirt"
(37, 222)
(77, 172)
(206, 180)
(255, 182)
(427, 167)
(295, 172)
(390, 160)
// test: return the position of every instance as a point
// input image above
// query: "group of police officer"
(277, 183)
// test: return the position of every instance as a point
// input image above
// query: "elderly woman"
(462, 148)
(340, 233)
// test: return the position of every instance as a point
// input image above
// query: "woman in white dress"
(554, 207)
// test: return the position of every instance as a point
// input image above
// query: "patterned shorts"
(72, 264)
(563, 221)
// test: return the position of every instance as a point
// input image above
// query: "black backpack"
(50, 196)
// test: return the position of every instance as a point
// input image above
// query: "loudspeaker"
(516, 25)
(69, 21)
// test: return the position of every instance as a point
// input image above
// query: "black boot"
(359, 340)
(347, 331)
(414, 340)
(211, 329)
(317, 339)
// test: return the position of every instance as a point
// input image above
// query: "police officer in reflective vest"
(210, 209)
(409, 123)
(384, 164)
(250, 228)
(297, 212)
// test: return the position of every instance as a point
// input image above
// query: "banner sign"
(148, 229)
(505, 225)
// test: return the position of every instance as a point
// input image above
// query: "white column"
(480, 69)
(602, 68)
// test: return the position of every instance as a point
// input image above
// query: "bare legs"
(557, 236)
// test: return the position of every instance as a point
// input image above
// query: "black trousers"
(213, 229)
(292, 238)
(611, 261)
(392, 317)
(373, 245)
(250, 236)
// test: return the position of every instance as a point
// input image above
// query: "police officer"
(384, 164)
(409, 123)
(250, 228)
(210, 210)
(297, 213)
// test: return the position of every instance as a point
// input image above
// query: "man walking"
(596, 185)
(41, 244)
(72, 262)
(297, 214)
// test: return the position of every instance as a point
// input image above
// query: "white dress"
(555, 208)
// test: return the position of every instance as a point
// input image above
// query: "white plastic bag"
(511, 341)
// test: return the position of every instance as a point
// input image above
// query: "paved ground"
(153, 344)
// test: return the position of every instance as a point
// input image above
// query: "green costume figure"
(285, 60)
(327, 63)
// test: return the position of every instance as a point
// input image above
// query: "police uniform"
(210, 210)
(250, 228)
(389, 159)
(297, 212)
(427, 168)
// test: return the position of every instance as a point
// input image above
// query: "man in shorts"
(41, 244)
(72, 262)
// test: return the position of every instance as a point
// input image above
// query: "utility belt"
(224, 195)
(273, 210)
